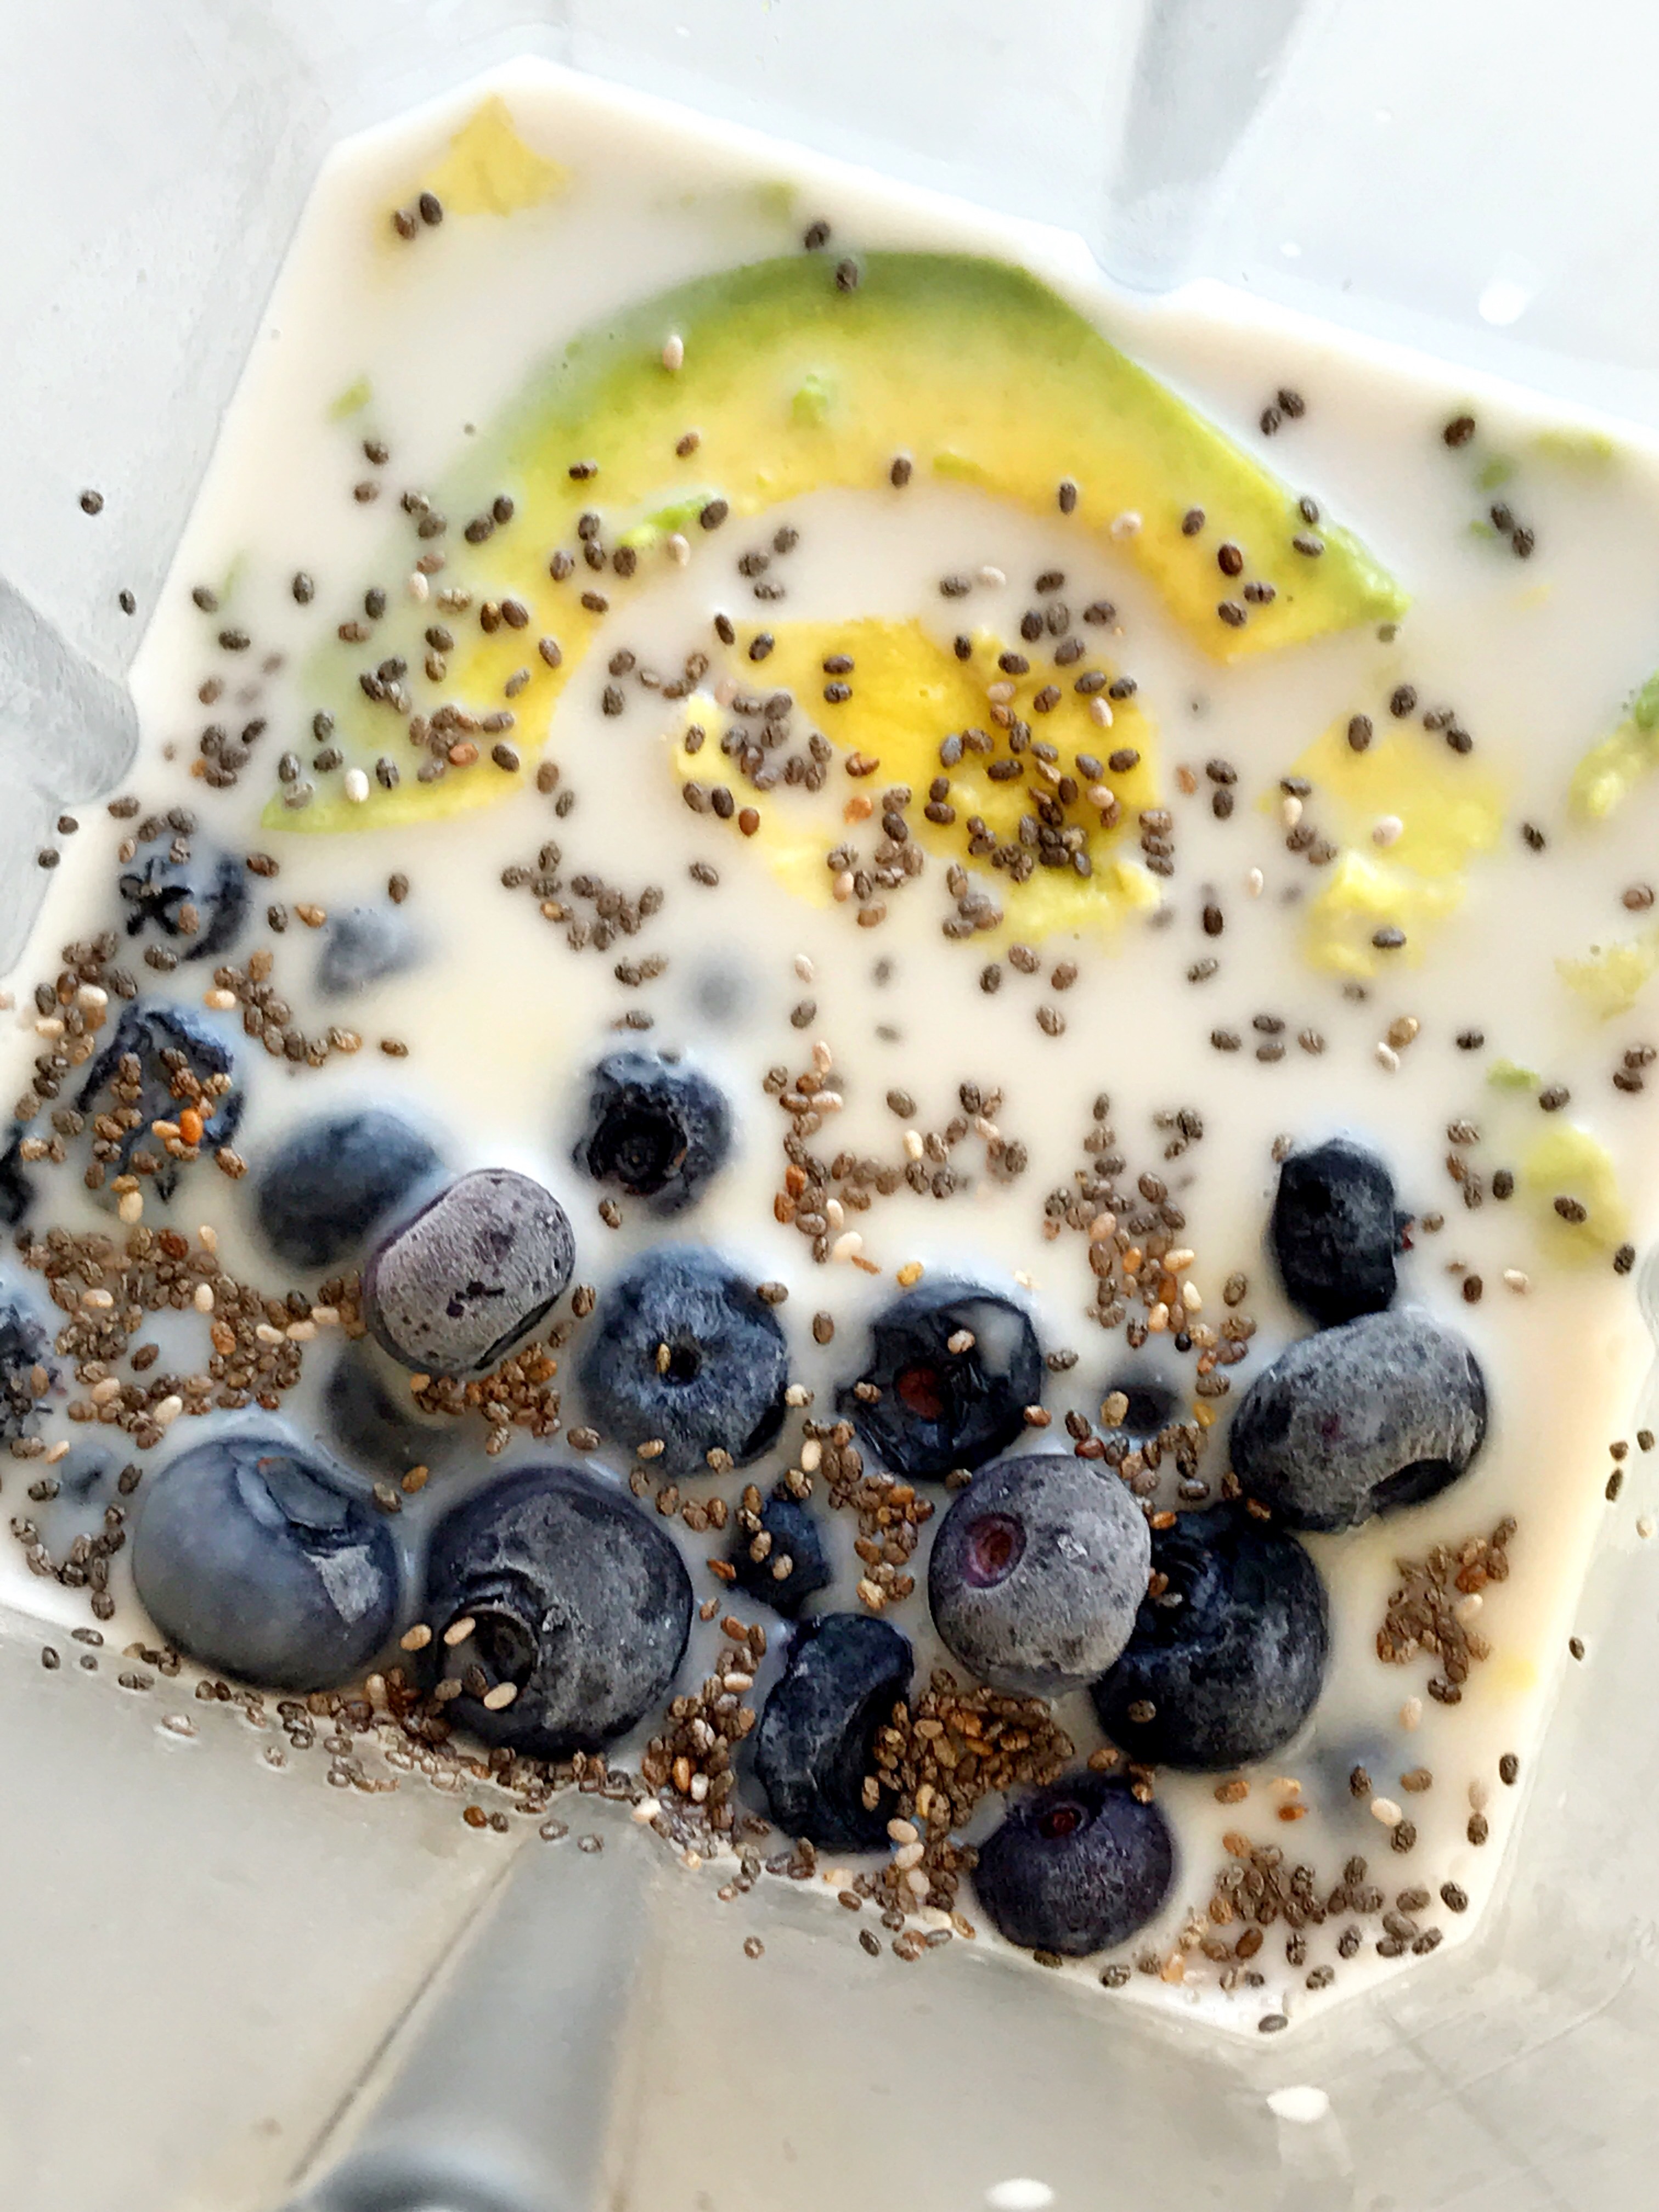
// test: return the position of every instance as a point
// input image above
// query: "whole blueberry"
(323, 1186)
(1379, 1412)
(1335, 1230)
(1037, 1572)
(655, 1129)
(791, 1566)
(361, 945)
(26, 1354)
(454, 1288)
(955, 1367)
(1077, 1867)
(815, 1744)
(252, 1555)
(1227, 1662)
(198, 902)
(684, 1351)
(176, 1053)
(568, 1592)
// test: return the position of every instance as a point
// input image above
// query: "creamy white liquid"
(503, 1022)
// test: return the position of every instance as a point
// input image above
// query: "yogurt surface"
(1194, 1034)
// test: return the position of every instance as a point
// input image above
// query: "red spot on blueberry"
(919, 1389)
(996, 1543)
(1055, 1822)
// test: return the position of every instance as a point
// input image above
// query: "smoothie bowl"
(851, 1100)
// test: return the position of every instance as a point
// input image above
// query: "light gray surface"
(204, 1957)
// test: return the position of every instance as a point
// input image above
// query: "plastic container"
(229, 1989)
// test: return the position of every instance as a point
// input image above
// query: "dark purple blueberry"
(816, 1742)
(252, 1555)
(571, 1594)
(940, 1408)
(327, 1184)
(1335, 1231)
(1036, 1571)
(1226, 1663)
(170, 1044)
(793, 1565)
(683, 1351)
(17, 1191)
(1380, 1412)
(1077, 1867)
(452, 1289)
(656, 1130)
(198, 903)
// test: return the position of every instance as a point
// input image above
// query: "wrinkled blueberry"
(1380, 1412)
(252, 1555)
(373, 1425)
(200, 902)
(940, 1409)
(454, 1288)
(1077, 1867)
(363, 946)
(1229, 1657)
(26, 1349)
(1335, 1230)
(17, 1191)
(1037, 1572)
(790, 1539)
(815, 1744)
(574, 1595)
(682, 1350)
(655, 1130)
(324, 1186)
(170, 1045)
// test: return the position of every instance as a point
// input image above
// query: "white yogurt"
(502, 1021)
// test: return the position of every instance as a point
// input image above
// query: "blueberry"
(26, 1348)
(655, 1130)
(574, 1595)
(324, 1186)
(372, 1425)
(1379, 1412)
(789, 1538)
(363, 946)
(17, 1191)
(1335, 1230)
(815, 1742)
(682, 1350)
(1036, 1571)
(177, 1053)
(1077, 1867)
(940, 1409)
(1151, 1407)
(1229, 1657)
(200, 902)
(253, 1556)
(454, 1288)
